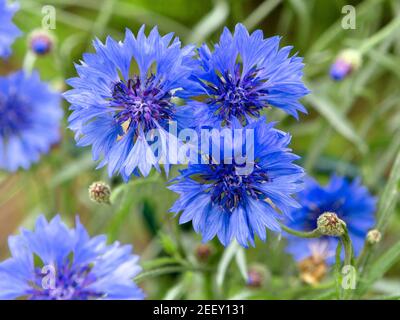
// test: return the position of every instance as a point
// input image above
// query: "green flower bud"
(329, 224)
(374, 236)
(100, 192)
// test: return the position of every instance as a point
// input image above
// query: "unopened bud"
(256, 276)
(100, 192)
(203, 252)
(374, 236)
(41, 42)
(347, 61)
(254, 279)
(329, 224)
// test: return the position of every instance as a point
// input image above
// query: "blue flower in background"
(114, 109)
(55, 262)
(30, 115)
(243, 75)
(220, 200)
(8, 31)
(349, 200)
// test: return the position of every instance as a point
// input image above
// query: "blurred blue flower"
(244, 74)
(30, 115)
(55, 262)
(114, 109)
(349, 200)
(229, 200)
(8, 31)
(346, 62)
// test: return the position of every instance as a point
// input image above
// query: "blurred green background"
(353, 127)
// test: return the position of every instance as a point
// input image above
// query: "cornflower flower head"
(243, 75)
(30, 116)
(245, 193)
(54, 262)
(119, 110)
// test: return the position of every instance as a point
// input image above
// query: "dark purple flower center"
(14, 111)
(229, 189)
(141, 106)
(238, 97)
(67, 284)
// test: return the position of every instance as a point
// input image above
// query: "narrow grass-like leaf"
(390, 196)
(73, 169)
(210, 22)
(337, 121)
(262, 11)
(380, 267)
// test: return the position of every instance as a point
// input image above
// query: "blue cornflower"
(349, 200)
(243, 75)
(55, 262)
(232, 202)
(8, 31)
(30, 115)
(114, 109)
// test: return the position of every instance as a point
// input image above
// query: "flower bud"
(203, 252)
(100, 192)
(329, 224)
(41, 42)
(346, 62)
(373, 236)
(256, 276)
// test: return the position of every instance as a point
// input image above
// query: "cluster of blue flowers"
(129, 90)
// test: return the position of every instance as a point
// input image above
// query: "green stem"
(364, 256)
(348, 248)
(103, 18)
(311, 234)
(167, 270)
(381, 35)
(29, 61)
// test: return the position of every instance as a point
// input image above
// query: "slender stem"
(364, 256)
(29, 61)
(167, 270)
(311, 234)
(348, 248)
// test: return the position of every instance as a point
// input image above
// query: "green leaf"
(168, 244)
(262, 11)
(72, 170)
(176, 291)
(337, 121)
(159, 262)
(380, 267)
(389, 197)
(210, 22)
